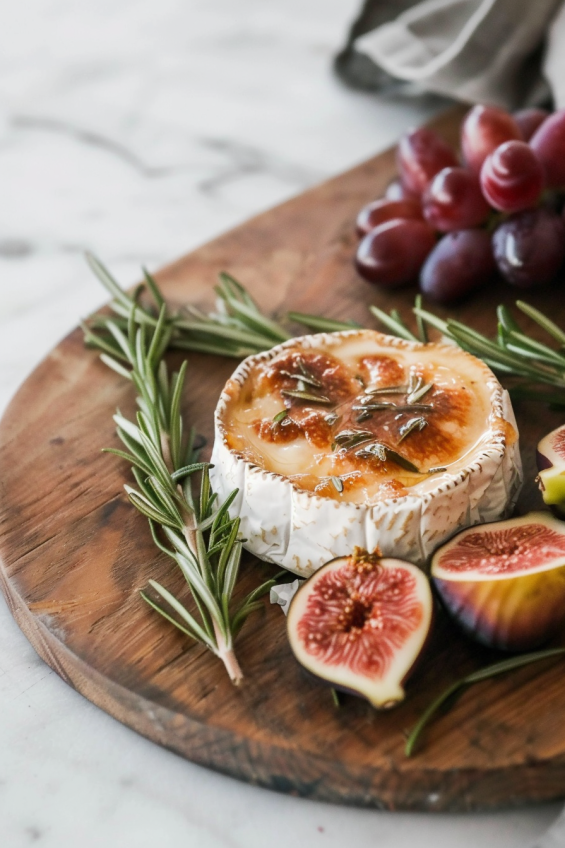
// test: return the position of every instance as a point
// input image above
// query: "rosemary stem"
(189, 533)
(227, 655)
(224, 649)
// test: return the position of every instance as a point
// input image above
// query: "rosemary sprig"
(237, 319)
(475, 677)
(512, 353)
(198, 535)
(237, 328)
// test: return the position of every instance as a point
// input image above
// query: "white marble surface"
(138, 129)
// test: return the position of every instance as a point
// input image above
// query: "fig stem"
(475, 677)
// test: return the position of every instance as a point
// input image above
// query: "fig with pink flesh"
(505, 582)
(551, 465)
(360, 623)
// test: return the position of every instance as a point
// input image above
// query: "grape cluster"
(456, 227)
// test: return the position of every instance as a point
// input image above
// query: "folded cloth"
(504, 52)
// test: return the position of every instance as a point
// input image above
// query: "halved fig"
(360, 623)
(551, 465)
(505, 582)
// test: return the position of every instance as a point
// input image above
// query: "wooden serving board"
(74, 555)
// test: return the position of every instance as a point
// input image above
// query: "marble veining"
(139, 129)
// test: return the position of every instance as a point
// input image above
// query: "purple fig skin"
(502, 604)
(482, 615)
(338, 622)
(542, 461)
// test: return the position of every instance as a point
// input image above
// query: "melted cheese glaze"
(302, 447)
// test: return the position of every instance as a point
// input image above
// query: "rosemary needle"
(304, 395)
(337, 483)
(351, 438)
(410, 426)
(335, 697)
(303, 378)
(383, 452)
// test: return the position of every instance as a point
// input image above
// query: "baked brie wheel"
(357, 438)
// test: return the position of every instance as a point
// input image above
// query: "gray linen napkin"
(504, 52)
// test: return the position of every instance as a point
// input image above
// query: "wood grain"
(74, 555)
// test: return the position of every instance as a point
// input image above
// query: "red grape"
(379, 211)
(483, 130)
(529, 120)
(460, 263)
(512, 177)
(529, 247)
(548, 143)
(454, 201)
(421, 154)
(393, 252)
(396, 191)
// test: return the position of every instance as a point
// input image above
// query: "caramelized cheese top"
(361, 421)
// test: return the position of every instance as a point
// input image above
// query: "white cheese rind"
(300, 531)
